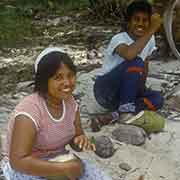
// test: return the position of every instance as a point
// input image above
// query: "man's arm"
(129, 52)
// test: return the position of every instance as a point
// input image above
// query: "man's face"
(138, 24)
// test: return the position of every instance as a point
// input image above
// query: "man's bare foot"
(105, 119)
(99, 121)
(125, 117)
(95, 125)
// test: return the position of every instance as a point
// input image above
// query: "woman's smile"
(62, 84)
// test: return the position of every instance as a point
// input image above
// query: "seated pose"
(43, 123)
(120, 87)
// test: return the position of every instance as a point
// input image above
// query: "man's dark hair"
(138, 6)
(47, 68)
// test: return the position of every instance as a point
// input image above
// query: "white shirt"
(112, 59)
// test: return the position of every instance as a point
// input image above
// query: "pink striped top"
(52, 134)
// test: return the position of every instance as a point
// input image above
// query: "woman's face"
(62, 84)
(138, 24)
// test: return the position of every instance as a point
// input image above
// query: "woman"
(43, 123)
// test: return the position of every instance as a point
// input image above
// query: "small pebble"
(125, 166)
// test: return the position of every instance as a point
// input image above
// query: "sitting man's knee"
(159, 101)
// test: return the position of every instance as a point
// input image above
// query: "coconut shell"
(104, 147)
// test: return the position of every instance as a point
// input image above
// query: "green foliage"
(32, 3)
(48, 5)
(151, 1)
(12, 26)
(71, 5)
(111, 9)
(93, 140)
(16, 17)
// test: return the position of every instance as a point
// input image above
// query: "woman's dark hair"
(138, 6)
(47, 68)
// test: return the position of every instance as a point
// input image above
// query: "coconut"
(104, 147)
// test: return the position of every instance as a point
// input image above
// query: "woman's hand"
(84, 143)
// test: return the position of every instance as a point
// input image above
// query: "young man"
(120, 88)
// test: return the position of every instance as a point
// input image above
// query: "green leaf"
(93, 140)
(50, 4)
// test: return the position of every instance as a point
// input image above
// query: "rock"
(129, 134)
(3, 117)
(173, 103)
(156, 84)
(125, 166)
(92, 54)
(25, 86)
(173, 115)
(104, 147)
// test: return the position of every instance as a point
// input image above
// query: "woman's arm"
(21, 158)
(80, 141)
(78, 131)
(77, 123)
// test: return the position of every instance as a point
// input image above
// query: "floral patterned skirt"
(91, 172)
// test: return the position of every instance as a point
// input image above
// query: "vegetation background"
(17, 16)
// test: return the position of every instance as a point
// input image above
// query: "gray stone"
(173, 103)
(130, 134)
(125, 166)
(3, 117)
(156, 84)
(24, 86)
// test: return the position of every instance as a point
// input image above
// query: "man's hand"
(156, 22)
(84, 143)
